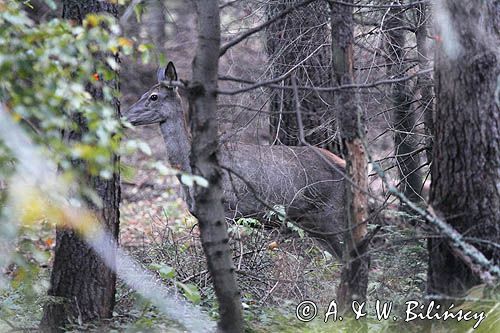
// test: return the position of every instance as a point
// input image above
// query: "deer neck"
(178, 143)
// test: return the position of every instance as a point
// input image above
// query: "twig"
(227, 4)
(258, 28)
(128, 12)
(303, 141)
(270, 292)
(271, 84)
(408, 5)
(300, 124)
(361, 246)
(279, 78)
(471, 256)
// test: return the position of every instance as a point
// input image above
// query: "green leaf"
(295, 228)
(146, 57)
(165, 271)
(190, 292)
(138, 9)
(162, 60)
(41, 257)
(278, 211)
(248, 222)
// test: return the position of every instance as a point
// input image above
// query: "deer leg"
(325, 229)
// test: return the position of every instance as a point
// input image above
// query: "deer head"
(159, 104)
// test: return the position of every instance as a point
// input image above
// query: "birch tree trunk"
(208, 206)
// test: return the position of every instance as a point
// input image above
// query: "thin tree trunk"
(425, 81)
(79, 276)
(466, 154)
(299, 42)
(354, 278)
(404, 120)
(208, 206)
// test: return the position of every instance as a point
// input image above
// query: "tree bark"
(299, 42)
(466, 153)
(155, 16)
(208, 207)
(354, 278)
(79, 276)
(404, 120)
(425, 82)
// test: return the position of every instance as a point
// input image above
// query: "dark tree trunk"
(404, 120)
(208, 207)
(466, 154)
(76, 10)
(39, 11)
(79, 276)
(354, 278)
(300, 40)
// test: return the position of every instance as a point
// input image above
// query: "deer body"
(256, 178)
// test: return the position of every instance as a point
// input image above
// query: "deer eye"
(153, 97)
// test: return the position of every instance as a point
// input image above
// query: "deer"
(306, 182)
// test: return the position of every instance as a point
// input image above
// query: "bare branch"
(408, 5)
(258, 28)
(271, 84)
(228, 4)
(471, 256)
(128, 12)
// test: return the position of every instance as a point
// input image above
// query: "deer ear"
(170, 72)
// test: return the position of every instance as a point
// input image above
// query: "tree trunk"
(299, 42)
(466, 153)
(79, 276)
(404, 120)
(425, 82)
(156, 21)
(208, 207)
(354, 278)
(39, 11)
